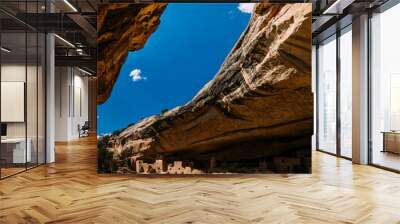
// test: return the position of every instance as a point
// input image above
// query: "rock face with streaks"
(121, 28)
(258, 105)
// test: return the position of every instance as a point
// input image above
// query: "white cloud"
(100, 136)
(136, 75)
(246, 7)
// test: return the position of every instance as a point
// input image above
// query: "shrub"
(117, 132)
(163, 111)
(105, 160)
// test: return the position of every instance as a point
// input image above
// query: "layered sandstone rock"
(121, 28)
(258, 104)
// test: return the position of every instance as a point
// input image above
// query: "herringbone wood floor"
(70, 191)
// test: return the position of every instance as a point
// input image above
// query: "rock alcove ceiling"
(258, 105)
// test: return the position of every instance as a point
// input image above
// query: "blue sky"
(181, 56)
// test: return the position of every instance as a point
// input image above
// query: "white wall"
(33, 127)
(62, 81)
(16, 73)
(71, 103)
(80, 109)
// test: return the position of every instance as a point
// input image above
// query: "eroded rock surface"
(258, 104)
(121, 28)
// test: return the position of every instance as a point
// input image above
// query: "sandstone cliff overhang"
(259, 102)
(121, 28)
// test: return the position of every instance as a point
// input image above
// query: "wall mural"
(204, 88)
